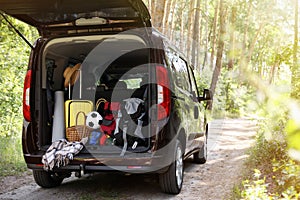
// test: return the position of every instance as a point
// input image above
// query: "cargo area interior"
(112, 68)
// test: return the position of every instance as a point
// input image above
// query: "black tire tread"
(198, 159)
(167, 180)
(45, 179)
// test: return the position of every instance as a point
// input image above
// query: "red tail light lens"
(163, 93)
(26, 96)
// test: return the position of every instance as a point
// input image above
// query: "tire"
(200, 157)
(47, 179)
(171, 181)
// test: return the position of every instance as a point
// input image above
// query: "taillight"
(163, 93)
(26, 96)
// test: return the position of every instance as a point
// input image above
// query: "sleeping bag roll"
(58, 129)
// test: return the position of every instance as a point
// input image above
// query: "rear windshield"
(111, 13)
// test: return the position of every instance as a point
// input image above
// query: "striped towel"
(60, 153)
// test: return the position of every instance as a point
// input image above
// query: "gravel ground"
(227, 144)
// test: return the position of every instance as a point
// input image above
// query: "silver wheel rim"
(179, 167)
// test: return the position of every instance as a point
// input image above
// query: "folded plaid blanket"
(60, 153)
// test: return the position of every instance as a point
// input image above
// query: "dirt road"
(228, 141)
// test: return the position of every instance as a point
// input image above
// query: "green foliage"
(12, 161)
(276, 175)
(13, 64)
(233, 97)
(278, 138)
(296, 86)
(286, 174)
(255, 189)
(281, 181)
(203, 79)
(293, 131)
(14, 54)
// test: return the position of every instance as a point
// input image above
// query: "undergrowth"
(12, 161)
(269, 172)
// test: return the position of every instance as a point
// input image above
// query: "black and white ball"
(93, 120)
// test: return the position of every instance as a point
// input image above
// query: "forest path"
(227, 144)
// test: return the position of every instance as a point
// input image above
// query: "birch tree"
(157, 12)
(214, 35)
(196, 33)
(217, 70)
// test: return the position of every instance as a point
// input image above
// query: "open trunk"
(112, 67)
(57, 17)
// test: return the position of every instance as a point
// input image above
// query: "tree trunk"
(273, 71)
(252, 45)
(152, 9)
(214, 36)
(200, 45)
(182, 28)
(295, 68)
(232, 37)
(246, 30)
(196, 33)
(166, 16)
(158, 8)
(206, 34)
(217, 70)
(173, 21)
(191, 21)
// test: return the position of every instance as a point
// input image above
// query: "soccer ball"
(93, 120)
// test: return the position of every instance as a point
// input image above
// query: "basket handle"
(77, 115)
(101, 100)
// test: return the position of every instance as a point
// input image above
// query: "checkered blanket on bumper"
(60, 153)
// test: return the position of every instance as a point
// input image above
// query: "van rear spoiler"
(17, 31)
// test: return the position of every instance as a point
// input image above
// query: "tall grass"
(12, 161)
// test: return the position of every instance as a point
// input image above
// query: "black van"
(142, 109)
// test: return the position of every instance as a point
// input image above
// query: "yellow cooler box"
(72, 107)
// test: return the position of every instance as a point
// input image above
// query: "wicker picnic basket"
(77, 132)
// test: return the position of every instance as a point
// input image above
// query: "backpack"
(108, 111)
(132, 114)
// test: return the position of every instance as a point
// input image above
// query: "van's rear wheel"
(47, 179)
(171, 181)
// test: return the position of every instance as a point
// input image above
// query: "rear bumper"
(109, 158)
(131, 163)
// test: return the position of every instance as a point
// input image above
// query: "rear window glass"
(48, 17)
(133, 83)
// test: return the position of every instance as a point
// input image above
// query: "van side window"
(193, 82)
(182, 76)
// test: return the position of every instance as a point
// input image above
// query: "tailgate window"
(118, 13)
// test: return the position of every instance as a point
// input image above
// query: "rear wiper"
(17, 31)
